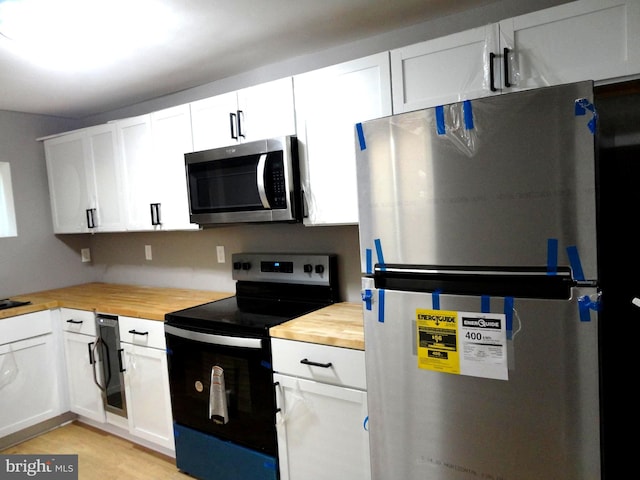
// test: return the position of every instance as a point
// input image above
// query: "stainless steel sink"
(7, 303)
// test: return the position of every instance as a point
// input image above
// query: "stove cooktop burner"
(241, 316)
(270, 289)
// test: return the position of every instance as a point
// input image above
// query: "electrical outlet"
(147, 252)
(220, 253)
(85, 254)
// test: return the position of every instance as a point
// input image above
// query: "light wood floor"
(102, 456)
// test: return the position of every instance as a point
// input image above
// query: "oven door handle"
(214, 339)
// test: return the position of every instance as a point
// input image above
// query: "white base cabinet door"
(79, 336)
(321, 431)
(322, 420)
(146, 379)
(29, 381)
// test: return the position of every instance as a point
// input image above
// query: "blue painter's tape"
(440, 127)
(574, 261)
(584, 305)
(379, 253)
(485, 304)
(366, 298)
(363, 144)
(552, 256)
(369, 261)
(508, 312)
(467, 111)
(381, 306)
(582, 105)
(435, 300)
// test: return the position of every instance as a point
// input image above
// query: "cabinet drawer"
(24, 326)
(78, 321)
(323, 363)
(140, 331)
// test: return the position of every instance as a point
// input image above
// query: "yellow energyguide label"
(437, 337)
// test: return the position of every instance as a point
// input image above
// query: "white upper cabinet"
(583, 40)
(171, 139)
(444, 70)
(153, 148)
(329, 103)
(85, 181)
(253, 113)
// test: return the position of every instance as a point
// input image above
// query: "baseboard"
(35, 430)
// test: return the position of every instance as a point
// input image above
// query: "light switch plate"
(220, 253)
(86, 255)
(147, 252)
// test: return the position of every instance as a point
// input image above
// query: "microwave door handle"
(262, 164)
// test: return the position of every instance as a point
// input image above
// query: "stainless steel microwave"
(249, 182)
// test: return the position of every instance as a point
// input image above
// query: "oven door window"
(246, 413)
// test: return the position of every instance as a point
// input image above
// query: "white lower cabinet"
(30, 390)
(147, 380)
(79, 336)
(322, 417)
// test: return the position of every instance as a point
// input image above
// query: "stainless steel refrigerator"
(480, 288)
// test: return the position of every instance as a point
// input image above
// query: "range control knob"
(237, 265)
(308, 268)
(246, 266)
(319, 268)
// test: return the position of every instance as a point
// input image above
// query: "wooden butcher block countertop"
(338, 325)
(128, 300)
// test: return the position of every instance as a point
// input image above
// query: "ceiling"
(190, 43)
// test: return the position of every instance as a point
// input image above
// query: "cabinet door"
(148, 398)
(134, 137)
(329, 102)
(266, 110)
(107, 183)
(214, 121)
(445, 70)
(171, 139)
(70, 178)
(584, 40)
(29, 389)
(84, 395)
(322, 430)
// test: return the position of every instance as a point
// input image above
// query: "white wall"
(188, 259)
(35, 259)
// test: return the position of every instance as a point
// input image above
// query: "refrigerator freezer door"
(506, 180)
(540, 423)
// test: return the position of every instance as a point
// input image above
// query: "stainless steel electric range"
(219, 356)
